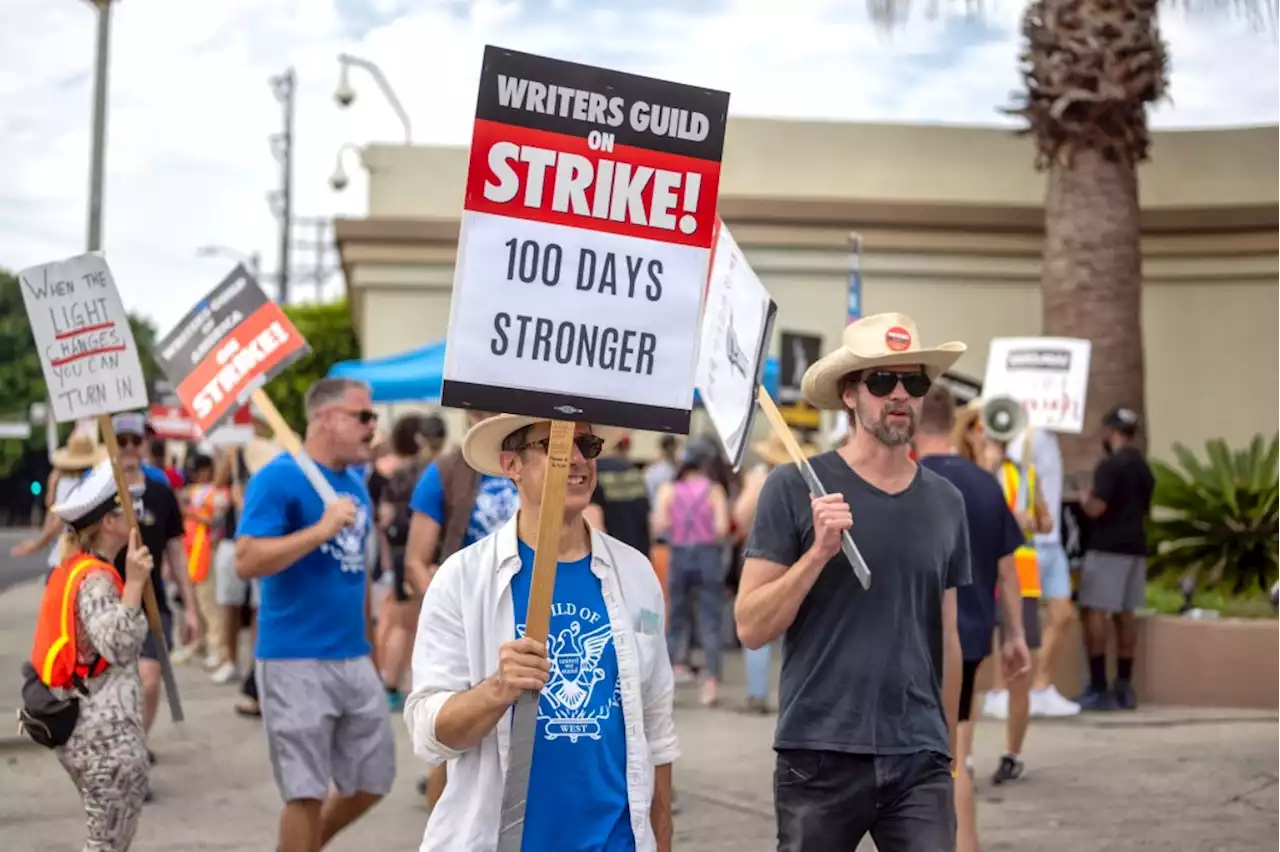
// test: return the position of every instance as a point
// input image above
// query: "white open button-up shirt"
(467, 615)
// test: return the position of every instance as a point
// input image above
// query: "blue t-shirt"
(581, 742)
(314, 609)
(496, 501)
(993, 535)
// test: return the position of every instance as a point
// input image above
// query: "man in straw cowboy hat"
(870, 677)
(605, 728)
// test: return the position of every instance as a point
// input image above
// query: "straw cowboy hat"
(880, 340)
(80, 453)
(773, 452)
(482, 446)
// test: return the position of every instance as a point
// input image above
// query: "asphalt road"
(14, 570)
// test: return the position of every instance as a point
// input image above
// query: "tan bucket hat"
(482, 446)
(880, 340)
(80, 453)
(773, 452)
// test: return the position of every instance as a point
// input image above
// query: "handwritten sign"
(1048, 375)
(82, 333)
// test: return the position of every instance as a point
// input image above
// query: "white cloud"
(188, 160)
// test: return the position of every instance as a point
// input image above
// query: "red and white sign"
(587, 226)
(1048, 375)
(175, 423)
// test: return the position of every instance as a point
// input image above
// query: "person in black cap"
(1113, 578)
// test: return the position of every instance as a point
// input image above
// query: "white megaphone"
(1003, 418)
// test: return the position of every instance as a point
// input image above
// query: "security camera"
(344, 94)
(338, 180)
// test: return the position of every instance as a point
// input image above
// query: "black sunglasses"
(589, 445)
(364, 415)
(882, 382)
(130, 440)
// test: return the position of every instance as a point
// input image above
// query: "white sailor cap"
(92, 499)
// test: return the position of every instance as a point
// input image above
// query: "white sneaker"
(1050, 702)
(212, 661)
(181, 655)
(226, 673)
(996, 705)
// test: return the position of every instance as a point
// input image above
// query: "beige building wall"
(951, 222)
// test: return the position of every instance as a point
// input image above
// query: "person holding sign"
(605, 738)
(870, 676)
(322, 700)
(82, 692)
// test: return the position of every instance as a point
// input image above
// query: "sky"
(190, 163)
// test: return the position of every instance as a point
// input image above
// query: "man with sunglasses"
(322, 701)
(605, 740)
(870, 677)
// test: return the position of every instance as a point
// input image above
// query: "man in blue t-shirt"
(994, 535)
(322, 700)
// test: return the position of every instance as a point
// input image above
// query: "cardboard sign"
(226, 347)
(87, 353)
(796, 353)
(1048, 375)
(173, 423)
(736, 328)
(586, 232)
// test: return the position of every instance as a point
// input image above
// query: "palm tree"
(1090, 68)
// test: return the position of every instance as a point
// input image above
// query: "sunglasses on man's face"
(366, 416)
(129, 441)
(882, 382)
(589, 445)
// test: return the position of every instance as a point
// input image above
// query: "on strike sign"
(586, 233)
(87, 353)
(226, 347)
(1048, 375)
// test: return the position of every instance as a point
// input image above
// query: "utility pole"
(285, 86)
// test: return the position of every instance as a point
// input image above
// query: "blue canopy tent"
(416, 375)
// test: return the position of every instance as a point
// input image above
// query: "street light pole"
(284, 87)
(99, 151)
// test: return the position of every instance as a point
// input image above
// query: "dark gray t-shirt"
(862, 669)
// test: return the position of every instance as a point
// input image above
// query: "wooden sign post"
(92, 370)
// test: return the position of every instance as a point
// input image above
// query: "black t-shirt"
(159, 522)
(621, 494)
(993, 535)
(1123, 481)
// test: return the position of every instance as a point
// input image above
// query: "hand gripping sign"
(586, 234)
(225, 350)
(92, 370)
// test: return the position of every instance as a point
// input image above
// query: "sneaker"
(226, 673)
(1049, 702)
(1123, 692)
(996, 705)
(756, 707)
(708, 697)
(181, 655)
(1095, 701)
(213, 661)
(681, 674)
(1010, 769)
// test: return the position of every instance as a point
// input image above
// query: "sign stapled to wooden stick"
(92, 370)
(587, 227)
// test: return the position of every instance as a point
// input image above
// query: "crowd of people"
(408, 593)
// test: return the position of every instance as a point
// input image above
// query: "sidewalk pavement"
(1157, 778)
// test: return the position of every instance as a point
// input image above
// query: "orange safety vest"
(198, 537)
(54, 652)
(1024, 558)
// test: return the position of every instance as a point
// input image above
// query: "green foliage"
(1217, 519)
(328, 329)
(22, 383)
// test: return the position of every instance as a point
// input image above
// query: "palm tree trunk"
(1092, 288)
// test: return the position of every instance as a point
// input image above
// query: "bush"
(1216, 520)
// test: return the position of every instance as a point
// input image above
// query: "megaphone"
(1003, 418)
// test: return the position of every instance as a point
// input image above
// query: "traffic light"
(36, 488)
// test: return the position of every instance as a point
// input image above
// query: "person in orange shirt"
(82, 695)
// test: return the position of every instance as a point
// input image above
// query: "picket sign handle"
(537, 624)
(783, 431)
(284, 434)
(149, 602)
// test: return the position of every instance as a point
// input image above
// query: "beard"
(890, 434)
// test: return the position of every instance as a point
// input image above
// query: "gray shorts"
(228, 589)
(1113, 582)
(326, 720)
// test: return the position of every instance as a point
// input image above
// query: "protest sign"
(87, 353)
(586, 230)
(230, 344)
(736, 327)
(797, 352)
(1048, 375)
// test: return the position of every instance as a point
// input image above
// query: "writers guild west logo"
(576, 699)
(347, 547)
(733, 349)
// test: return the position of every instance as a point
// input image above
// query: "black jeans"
(827, 801)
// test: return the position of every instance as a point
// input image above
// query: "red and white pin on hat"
(897, 339)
